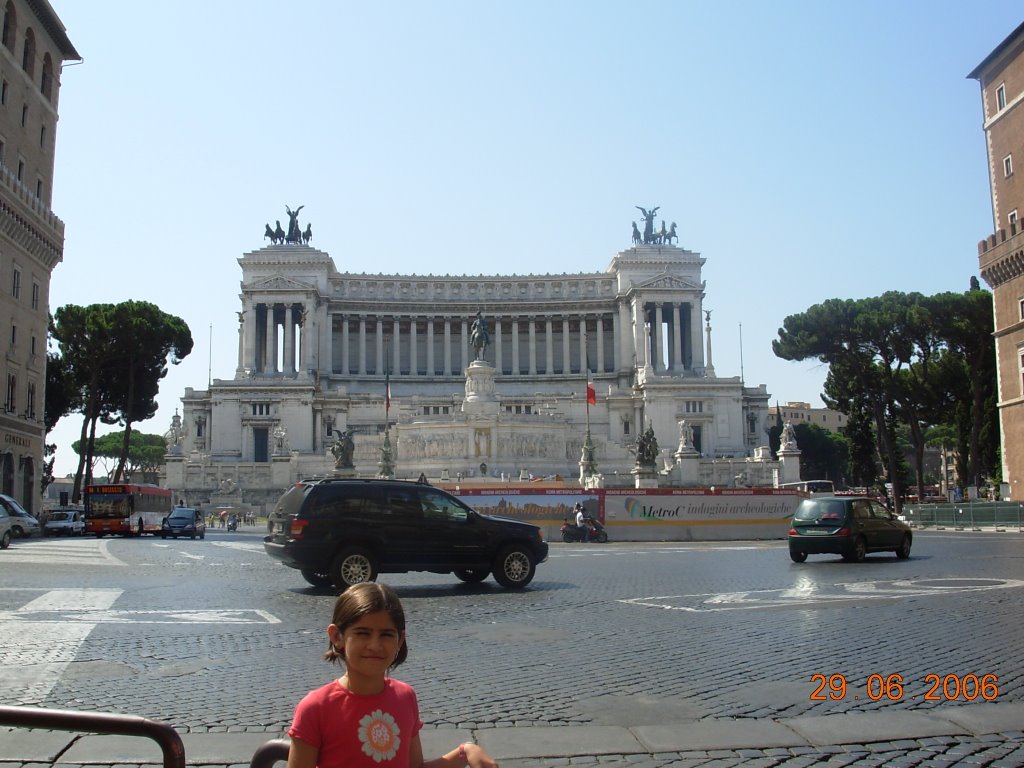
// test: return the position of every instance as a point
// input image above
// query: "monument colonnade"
(277, 337)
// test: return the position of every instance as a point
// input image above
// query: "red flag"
(591, 393)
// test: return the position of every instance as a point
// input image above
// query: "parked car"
(65, 521)
(850, 526)
(183, 521)
(5, 529)
(341, 532)
(22, 523)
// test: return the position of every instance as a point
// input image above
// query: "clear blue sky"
(808, 150)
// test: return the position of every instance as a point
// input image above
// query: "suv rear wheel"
(353, 566)
(471, 575)
(513, 567)
(316, 578)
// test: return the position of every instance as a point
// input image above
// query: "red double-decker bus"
(125, 509)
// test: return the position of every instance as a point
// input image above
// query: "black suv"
(342, 532)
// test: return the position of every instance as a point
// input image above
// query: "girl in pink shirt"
(366, 718)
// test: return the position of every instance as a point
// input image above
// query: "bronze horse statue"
(275, 237)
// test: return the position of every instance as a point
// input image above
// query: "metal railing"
(967, 515)
(100, 722)
(104, 723)
(270, 753)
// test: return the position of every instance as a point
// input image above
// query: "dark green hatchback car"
(851, 526)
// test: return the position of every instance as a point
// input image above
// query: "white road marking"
(804, 597)
(34, 655)
(48, 551)
(244, 546)
(41, 637)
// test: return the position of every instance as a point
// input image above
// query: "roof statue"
(295, 235)
(649, 237)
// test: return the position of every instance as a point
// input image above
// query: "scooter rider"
(581, 522)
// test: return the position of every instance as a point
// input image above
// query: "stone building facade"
(323, 353)
(33, 46)
(1001, 254)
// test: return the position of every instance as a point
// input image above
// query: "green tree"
(912, 362)
(824, 455)
(114, 356)
(148, 338)
(60, 399)
(863, 344)
(145, 453)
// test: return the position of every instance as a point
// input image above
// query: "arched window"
(28, 55)
(7, 474)
(10, 26)
(28, 483)
(46, 84)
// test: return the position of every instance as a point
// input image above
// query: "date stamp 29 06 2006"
(969, 687)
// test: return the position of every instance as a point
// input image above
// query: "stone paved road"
(213, 637)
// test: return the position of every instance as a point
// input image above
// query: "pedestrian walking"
(365, 718)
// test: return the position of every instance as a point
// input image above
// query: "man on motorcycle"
(581, 522)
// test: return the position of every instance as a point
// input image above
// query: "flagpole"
(588, 467)
(387, 462)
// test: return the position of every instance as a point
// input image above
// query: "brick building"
(33, 45)
(1001, 254)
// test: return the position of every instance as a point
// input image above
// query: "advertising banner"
(654, 514)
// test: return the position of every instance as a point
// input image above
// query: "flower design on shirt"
(378, 733)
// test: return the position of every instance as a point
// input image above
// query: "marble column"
(241, 346)
(600, 344)
(431, 371)
(640, 332)
(677, 338)
(659, 339)
(378, 363)
(566, 353)
(496, 340)
(414, 363)
(289, 339)
(270, 354)
(696, 342)
(515, 346)
(396, 352)
(362, 345)
(533, 346)
(584, 352)
(549, 348)
(345, 362)
(625, 336)
(249, 315)
(464, 355)
(447, 346)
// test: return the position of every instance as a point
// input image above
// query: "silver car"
(5, 529)
(22, 523)
(65, 521)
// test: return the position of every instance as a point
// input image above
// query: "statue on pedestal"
(344, 449)
(646, 449)
(479, 336)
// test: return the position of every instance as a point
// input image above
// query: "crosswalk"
(41, 632)
(82, 551)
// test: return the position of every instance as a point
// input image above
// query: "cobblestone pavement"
(610, 643)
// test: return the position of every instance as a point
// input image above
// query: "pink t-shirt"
(353, 731)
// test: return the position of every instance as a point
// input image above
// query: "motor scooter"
(595, 531)
(232, 523)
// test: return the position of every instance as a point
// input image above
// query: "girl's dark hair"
(358, 601)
